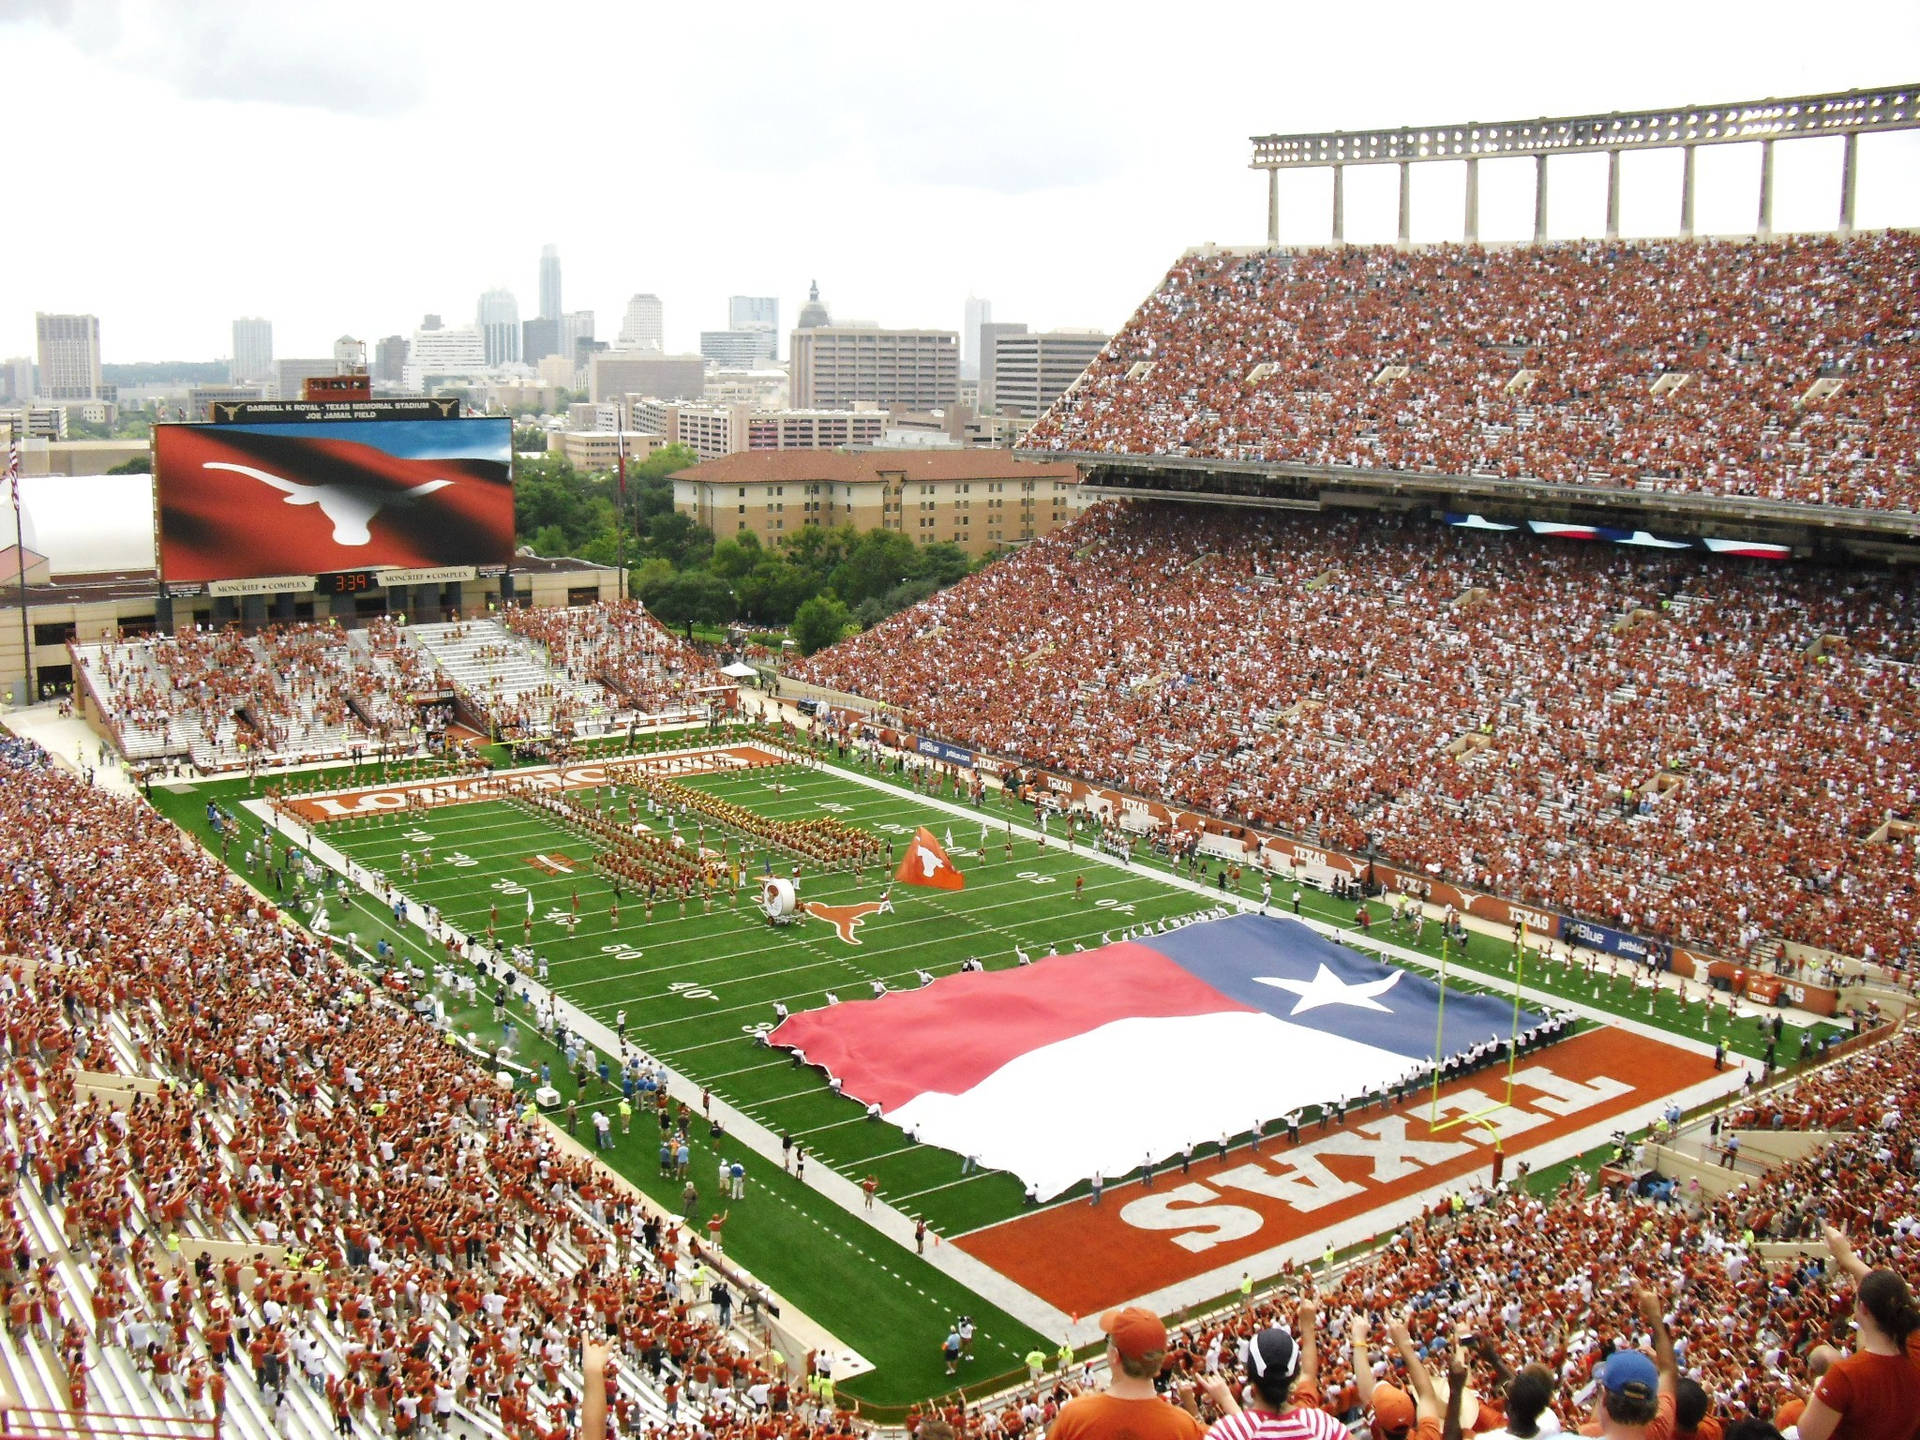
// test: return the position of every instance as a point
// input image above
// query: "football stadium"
(1425, 859)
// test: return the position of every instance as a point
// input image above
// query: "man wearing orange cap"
(1129, 1406)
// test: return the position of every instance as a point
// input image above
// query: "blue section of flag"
(1334, 988)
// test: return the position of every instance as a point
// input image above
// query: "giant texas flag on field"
(1103, 1059)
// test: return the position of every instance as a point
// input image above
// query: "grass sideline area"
(696, 988)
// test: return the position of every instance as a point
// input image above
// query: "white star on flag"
(1327, 988)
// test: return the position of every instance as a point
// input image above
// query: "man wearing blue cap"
(1637, 1395)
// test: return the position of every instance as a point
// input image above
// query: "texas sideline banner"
(243, 501)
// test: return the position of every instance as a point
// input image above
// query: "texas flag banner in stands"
(241, 501)
(927, 864)
(1103, 1059)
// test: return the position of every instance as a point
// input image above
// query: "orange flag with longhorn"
(927, 864)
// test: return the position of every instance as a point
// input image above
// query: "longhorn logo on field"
(844, 918)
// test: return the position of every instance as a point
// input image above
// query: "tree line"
(818, 582)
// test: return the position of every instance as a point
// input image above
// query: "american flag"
(13, 470)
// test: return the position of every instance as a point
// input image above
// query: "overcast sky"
(183, 162)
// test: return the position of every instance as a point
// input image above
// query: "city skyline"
(924, 182)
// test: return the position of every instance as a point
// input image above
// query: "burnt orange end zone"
(1082, 1257)
(461, 790)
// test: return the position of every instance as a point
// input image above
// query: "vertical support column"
(1540, 199)
(1686, 192)
(1471, 228)
(1273, 209)
(1406, 204)
(1849, 178)
(1765, 227)
(1613, 194)
(1339, 204)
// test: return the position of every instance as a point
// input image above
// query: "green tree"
(692, 595)
(529, 437)
(139, 465)
(648, 576)
(774, 590)
(816, 550)
(736, 556)
(678, 538)
(819, 622)
(875, 563)
(941, 564)
(549, 540)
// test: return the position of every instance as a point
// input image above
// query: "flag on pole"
(927, 864)
(13, 472)
(529, 904)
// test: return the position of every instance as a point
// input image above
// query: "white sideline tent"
(739, 670)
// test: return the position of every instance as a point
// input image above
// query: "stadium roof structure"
(85, 524)
(1845, 113)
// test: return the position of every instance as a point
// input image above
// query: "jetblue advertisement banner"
(940, 750)
(1616, 942)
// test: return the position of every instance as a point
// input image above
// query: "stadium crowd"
(1702, 752)
(400, 1203)
(622, 647)
(1545, 1290)
(435, 1250)
(1536, 362)
(295, 690)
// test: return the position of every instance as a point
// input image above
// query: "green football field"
(696, 989)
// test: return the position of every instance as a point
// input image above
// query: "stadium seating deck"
(305, 692)
(416, 1237)
(1705, 752)
(1782, 369)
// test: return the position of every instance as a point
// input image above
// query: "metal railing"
(26, 1422)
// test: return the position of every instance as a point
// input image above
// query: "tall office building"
(1031, 370)
(576, 330)
(69, 356)
(549, 283)
(252, 351)
(748, 348)
(978, 313)
(749, 312)
(290, 375)
(990, 332)
(645, 326)
(390, 360)
(836, 367)
(444, 352)
(498, 322)
(539, 338)
(16, 378)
